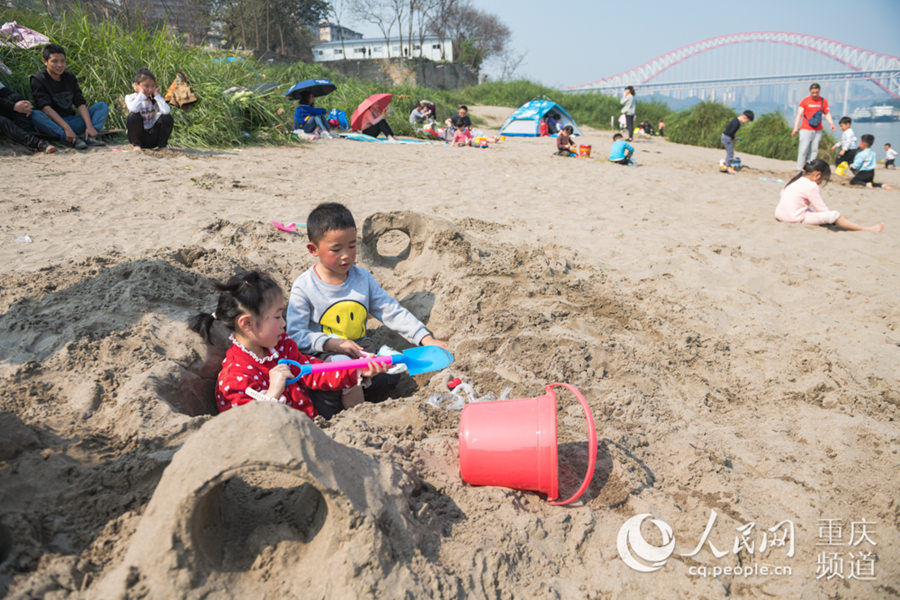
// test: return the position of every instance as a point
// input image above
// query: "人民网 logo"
(639, 554)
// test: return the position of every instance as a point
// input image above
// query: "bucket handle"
(592, 442)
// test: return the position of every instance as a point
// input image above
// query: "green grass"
(104, 56)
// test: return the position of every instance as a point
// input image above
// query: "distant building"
(430, 47)
(329, 32)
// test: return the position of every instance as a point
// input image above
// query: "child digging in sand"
(801, 200)
(864, 164)
(332, 300)
(462, 137)
(564, 145)
(621, 151)
(251, 305)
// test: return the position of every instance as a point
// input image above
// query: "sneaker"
(45, 147)
(79, 144)
(92, 141)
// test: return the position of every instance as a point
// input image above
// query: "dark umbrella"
(317, 87)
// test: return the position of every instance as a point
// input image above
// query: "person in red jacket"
(252, 306)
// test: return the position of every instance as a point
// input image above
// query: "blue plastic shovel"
(421, 359)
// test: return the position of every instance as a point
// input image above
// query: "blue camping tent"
(526, 121)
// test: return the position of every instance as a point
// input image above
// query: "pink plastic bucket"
(512, 443)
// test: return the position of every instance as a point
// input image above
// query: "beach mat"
(361, 137)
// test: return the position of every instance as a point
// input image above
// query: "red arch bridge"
(883, 70)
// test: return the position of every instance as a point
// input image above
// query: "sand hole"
(6, 543)
(253, 511)
(393, 245)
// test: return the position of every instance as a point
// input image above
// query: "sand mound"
(260, 502)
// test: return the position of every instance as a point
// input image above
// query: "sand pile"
(263, 503)
(710, 388)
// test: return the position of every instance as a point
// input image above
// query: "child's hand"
(373, 369)
(340, 346)
(429, 340)
(136, 87)
(278, 376)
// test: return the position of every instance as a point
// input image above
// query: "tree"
(476, 35)
(379, 13)
(280, 26)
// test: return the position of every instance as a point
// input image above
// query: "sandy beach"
(735, 366)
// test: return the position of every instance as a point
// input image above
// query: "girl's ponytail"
(201, 323)
(246, 292)
(817, 164)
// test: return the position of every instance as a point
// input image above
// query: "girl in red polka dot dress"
(252, 306)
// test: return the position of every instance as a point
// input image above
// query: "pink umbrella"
(362, 116)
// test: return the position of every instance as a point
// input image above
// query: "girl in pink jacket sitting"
(801, 200)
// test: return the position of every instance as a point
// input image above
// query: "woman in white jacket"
(628, 110)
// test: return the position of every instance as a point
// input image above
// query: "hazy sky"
(570, 42)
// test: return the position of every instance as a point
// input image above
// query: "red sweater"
(242, 369)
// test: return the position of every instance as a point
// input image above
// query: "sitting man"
(458, 121)
(61, 111)
(421, 114)
(14, 121)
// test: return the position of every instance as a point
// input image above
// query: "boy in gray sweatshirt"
(331, 301)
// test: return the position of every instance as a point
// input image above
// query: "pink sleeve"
(815, 199)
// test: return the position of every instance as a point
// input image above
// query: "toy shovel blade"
(421, 359)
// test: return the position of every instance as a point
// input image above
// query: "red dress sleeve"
(232, 387)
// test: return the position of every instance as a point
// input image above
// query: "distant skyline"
(569, 43)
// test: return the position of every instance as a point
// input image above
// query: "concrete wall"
(396, 71)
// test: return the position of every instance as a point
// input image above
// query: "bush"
(701, 125)
(769, 135)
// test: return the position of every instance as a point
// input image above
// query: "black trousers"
(379, 127)
(155, 137)
(848, 156)
(18, 129)
(629, 125)
(864, 177)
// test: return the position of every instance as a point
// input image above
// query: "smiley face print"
(345, 319)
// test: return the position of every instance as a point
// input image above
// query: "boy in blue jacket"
(621, 151)
(863, 165)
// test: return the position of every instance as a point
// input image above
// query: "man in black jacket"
(60, 108)
(14, 121)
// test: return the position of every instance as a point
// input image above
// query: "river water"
(884, 132)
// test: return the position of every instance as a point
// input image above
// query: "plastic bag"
(341, 118)
(463, 394)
